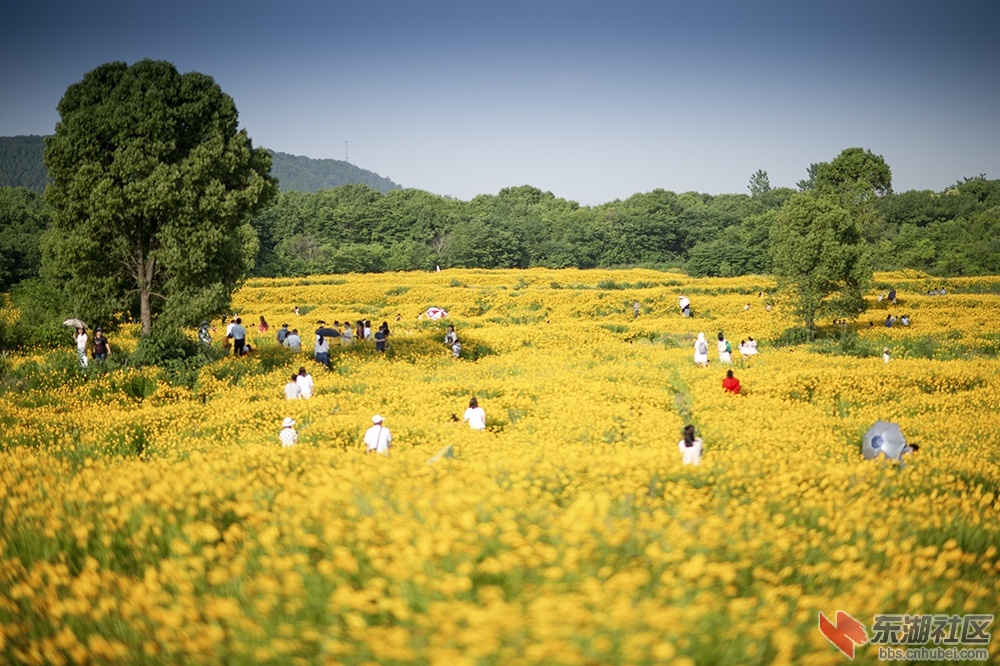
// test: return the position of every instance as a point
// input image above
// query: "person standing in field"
(322, 350)
(635, 310)
(262, 325)
(475, 415)
(292, 389)
(347, 337)
(305, 382)
(725, 349)
(885, 355)
(380, 339)
(378, 438)
(239, 335)
(288, 436)
(282, 334)
(701, 351)
(690, 447)
(81, 346)
(102, 349)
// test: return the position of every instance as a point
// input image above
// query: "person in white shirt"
(293, 341)
(321, 352)
(347, 337)
(724, 349)
(288, 436)
(690, 447)
(701, 351)
(305, 382)
(81, 347)
(475, 415)
(292, 389)
(378, 437)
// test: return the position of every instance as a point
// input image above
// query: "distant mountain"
(21, 162)
(304, 174)
(21, 165)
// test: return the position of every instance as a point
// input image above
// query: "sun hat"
(288, 422)
(377, 419)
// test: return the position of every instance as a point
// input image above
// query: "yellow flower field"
(152, 517)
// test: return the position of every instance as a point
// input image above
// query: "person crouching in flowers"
(730, 383)
(475, 415)
(690, 447)
(289, 436)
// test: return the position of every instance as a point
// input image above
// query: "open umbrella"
(884, 437)
(436, 313)
(327, 332)
(74, 323)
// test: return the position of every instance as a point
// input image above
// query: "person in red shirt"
(730, 383)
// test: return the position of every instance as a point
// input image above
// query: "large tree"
(820, 258)
(152, 187)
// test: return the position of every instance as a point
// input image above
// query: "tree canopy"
(153, 185)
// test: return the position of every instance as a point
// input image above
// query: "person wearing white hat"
(378, 437)
(289, 436)
(701, 351)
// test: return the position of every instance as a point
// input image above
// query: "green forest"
(378, 226)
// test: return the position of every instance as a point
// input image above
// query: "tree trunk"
(145, 291)
(145, 311)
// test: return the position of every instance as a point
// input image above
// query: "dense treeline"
(356, 228)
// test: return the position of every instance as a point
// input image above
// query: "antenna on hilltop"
(345, 151)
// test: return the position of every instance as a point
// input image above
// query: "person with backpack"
(701, 351)
(725, 349)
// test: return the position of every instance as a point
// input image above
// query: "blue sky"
(592, 101)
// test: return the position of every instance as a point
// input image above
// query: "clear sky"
(592, 101)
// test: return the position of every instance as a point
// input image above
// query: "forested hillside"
(296, 173)
(21, 162)
(21, 165)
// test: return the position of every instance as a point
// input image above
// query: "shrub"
(164, 344)
(791, 337)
